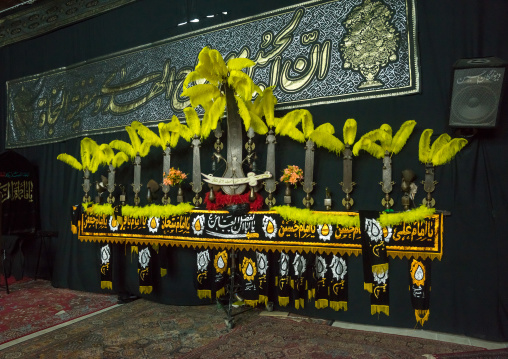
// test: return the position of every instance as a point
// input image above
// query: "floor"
(419, 333)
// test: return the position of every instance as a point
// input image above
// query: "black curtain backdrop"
(469, 293)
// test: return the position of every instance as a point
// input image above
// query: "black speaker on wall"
(476, 92)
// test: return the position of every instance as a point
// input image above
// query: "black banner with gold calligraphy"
(262, 231)
(307, 52)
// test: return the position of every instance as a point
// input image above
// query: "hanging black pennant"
(106, 267)
(322, 282)
(283, 280)
(375, 259)
(249, 277)
(419, 287)
(262, 279)
(299, 279)
(339, 282)
(145, 269)
(204, 278)
(221, 269)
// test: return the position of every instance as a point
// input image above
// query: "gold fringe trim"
(74, 229)
(338, 305)
(299, 303)
(292, 283)
(220, 292)
(251, 303)
(134, 249)
(380, 309)
(145, 289)
(367, 287)
(321, 303)
(204, 293)
(164, 272)
(154, 210)
(263, 299)
(283, 301)
(106, 284)
(380, 268)
(422, 315)
(311, 293)
(309, 217)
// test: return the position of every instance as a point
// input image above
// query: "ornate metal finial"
(387, 183)
(86, 185)
(429, 185)
(328, 199)
(408, 188)
(308, 184)
(196, 183)
(270, 183)
(347, 181)
(137, 179)
(166, 165)
(111, 183)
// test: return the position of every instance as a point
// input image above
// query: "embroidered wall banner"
(262, 231)
(315, 53)
(51, 15)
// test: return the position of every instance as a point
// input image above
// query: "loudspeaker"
(476, 92)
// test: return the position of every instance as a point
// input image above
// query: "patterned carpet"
(35, 305)
(482, 354)
(270, 337)
(144, 329)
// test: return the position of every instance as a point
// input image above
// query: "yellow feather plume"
(401, 137)
(164, 134)
(448, 151)
(239, 63)
(201, 94)
(439, 143)
(71, 161)
(244, 113)
(257, 124)
(215, 112)
(424, 146)
(349, 131)
(307, 124)
(269, 101)
(192, 120)
(88, 148)
(123, 147)
(368, 146)
(327, 140)
(242, 84)
(147, 134)
(119, 159)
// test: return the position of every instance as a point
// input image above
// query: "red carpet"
(284, 338)
(35, 305)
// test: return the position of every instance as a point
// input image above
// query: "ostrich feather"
(147, 134)
(257, 124)
(119, 159)
(288, 122)
(164, 134)
(88, 147)
(217, 62)
(107, 153)
(349, 131)
(402, 135)
(144, 149)
(239, 63)
(269, 101)
(242, 84)
(439, 143)
(387, 128)
(201, 94)
(135, 141)
(326, 127)
(424, 146)
(244, 113)
(193, 120)
(70, 160)
(327, 140)
(448, 151)
(123, 147)
(307, 123)
(368, 146)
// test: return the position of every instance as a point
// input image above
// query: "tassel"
(251, 303)
(283, 301)
(220, 292)
(422, 315)
(106, 284)
(367, 287)
(380, 268)
(380, 309)
(145, 289)
(338, 306)
(204, 293)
